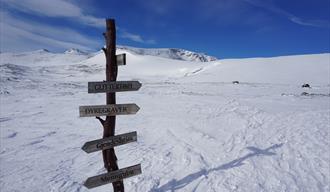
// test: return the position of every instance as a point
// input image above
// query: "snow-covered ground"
(197, 131)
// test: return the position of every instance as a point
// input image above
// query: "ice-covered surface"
(196, 130)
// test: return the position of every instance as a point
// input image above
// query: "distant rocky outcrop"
(306, 85)
(75, 51)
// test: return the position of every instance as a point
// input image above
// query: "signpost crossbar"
(113, 176)
(108, 110)
(113, 86)
(109, 142)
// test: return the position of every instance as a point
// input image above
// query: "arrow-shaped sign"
(113, 86)
(108, 110)
(113, 176)
(109, 142)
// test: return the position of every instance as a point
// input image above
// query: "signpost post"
(110, 110)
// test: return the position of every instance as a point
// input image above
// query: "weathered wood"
(113, 86)
(111, 71)
(108, 110)
(121, 59)
(109, 142)
(113, 176)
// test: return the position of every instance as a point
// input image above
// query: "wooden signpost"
(109, 142)
(121, 59)
(110, 110)
(110, 87)
(113, 176)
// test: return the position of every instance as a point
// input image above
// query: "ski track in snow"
(193, 136)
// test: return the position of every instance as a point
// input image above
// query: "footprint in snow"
(12, 135)
(36, 142)
(3, 119)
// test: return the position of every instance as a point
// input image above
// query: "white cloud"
(58, 8)
(21, 35)
(314, 23)
(16, 39)
(269, 5)
(136, 38)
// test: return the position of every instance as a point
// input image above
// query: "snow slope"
(283, 70)
(43, 57)
(170, 53)
(196, 130)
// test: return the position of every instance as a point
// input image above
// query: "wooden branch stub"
(104, 50)
(100, 119)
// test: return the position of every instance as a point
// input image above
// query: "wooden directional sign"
(113, 176)
(109, 142)
(108, 110)
(113, 86)
(121, 59)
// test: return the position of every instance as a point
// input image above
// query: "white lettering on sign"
(113, 86)
(108, 110)
(113, 176)
(109, 142)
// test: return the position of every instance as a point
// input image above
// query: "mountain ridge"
(170, 53)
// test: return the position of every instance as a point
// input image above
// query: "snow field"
(196, 130)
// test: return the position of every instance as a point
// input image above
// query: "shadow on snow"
(178, 184)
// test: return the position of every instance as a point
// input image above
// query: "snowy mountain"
(197, 131)
(75, 51)
(170, 53)
(44, 57)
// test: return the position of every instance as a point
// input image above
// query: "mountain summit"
(75, 51)
(171, 53)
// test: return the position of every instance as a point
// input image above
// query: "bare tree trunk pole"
(109, 156)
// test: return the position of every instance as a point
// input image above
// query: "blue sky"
(222, 28)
